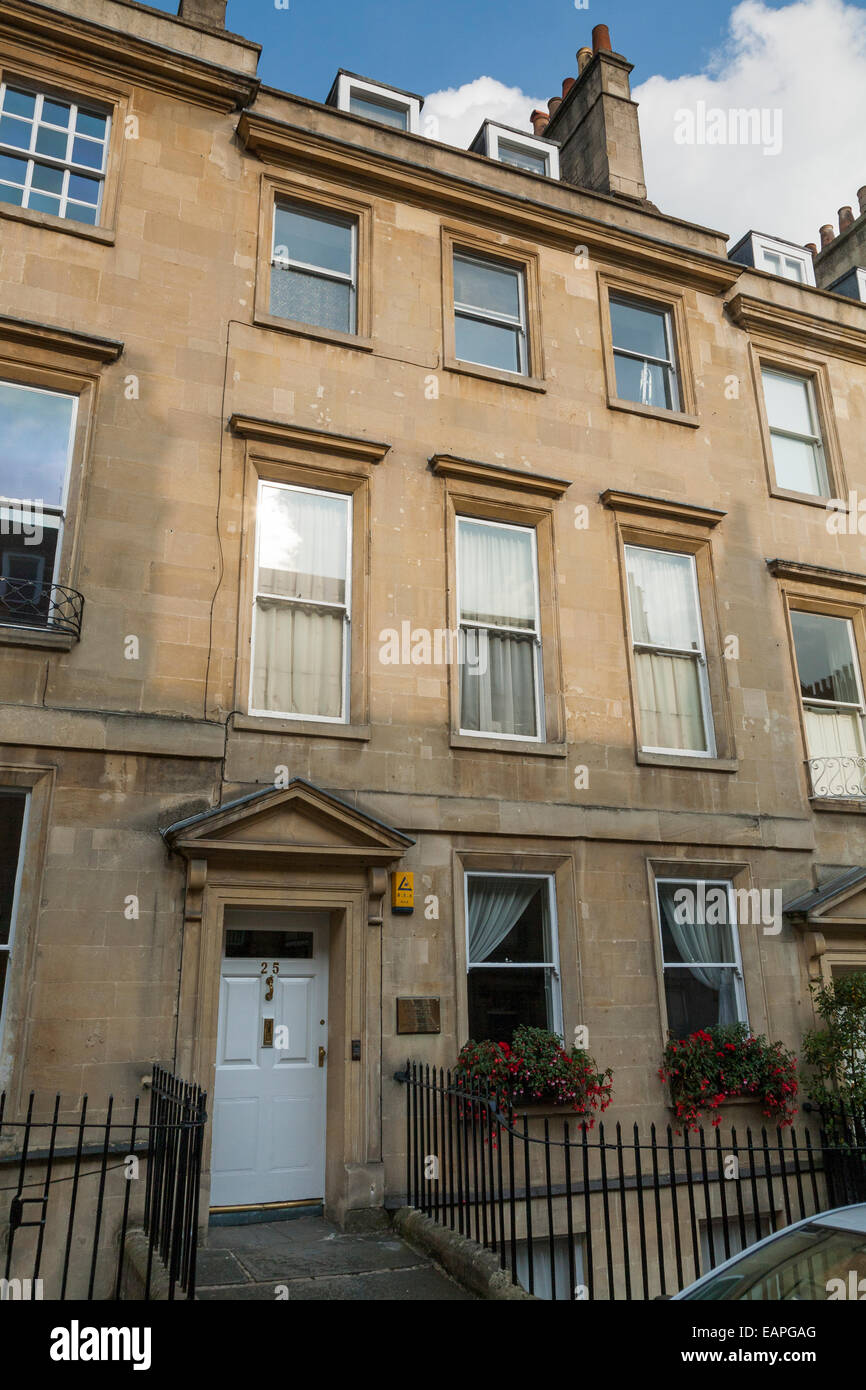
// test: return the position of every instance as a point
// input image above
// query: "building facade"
(375, 508)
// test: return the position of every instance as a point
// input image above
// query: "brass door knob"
(323, 1052)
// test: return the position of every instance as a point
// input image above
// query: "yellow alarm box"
(402, 892)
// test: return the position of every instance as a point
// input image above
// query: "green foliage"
(718, 1064)
(536, 1066)
(837, 1052)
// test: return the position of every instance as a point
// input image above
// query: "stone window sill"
(653, 412)
(526, 383)
(37, 637)
(58, 224)
(304, 728)
(520, 748)
(856, 806)
(692, 764)
(310, 330)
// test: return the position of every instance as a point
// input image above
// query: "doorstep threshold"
(265, 1211)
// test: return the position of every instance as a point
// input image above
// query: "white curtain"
(298, 660)
(496, 568)
(495, 907)
(836, 734)
(302, 544)
(664, 613)
(669, 696)
(698, 942)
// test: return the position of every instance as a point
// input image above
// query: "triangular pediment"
(300, 819)
(841, 901)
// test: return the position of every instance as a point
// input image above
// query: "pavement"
(308, 1259)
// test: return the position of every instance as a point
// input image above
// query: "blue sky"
(802, 62)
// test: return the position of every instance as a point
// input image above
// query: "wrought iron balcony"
(48, 607)
(840, 777)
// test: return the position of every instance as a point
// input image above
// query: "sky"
(802, 65)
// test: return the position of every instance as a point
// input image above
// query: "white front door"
(269, 1091)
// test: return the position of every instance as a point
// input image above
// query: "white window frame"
(552, 965)
(33, 156)
(668, 364)
(278, 263)
(762, 245)
(348, 86)
(480, 315)
(533, 634)
(21, 509)
(496, 136)
(843, 706)
(816, 439)
(9, 947)
(699, 655)
(736, 965)
(345, 608)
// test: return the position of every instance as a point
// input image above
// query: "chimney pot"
(810, 246)
(538, 121)
(553, 106)
(846, 219)
(601, 39)
(861, 198)
(826, 233)
(568, 83)
(584, 57)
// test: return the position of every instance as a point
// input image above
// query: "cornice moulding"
(124, 54)
(800, 329)
(278, 142)
(299, 437)
(447, 466)
(68, 341)
(817, 574)
(635, 504)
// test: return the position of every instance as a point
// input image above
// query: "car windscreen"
(814, 1262)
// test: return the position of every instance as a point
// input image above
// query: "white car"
(822, 1257)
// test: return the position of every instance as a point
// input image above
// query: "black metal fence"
(71, 1189)
(579, 1213)
(31, 603)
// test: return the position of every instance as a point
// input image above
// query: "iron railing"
(841, 777)
(25, 603)
(573, 1212)
(71, 1189)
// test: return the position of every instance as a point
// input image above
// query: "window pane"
(88, 152)
(695, 922)
(496, 569)
(51, 142)
(787, 400)
(825, 659)
(17, 103)
(670, 702)
(44, 202)
(700, 998)
(15, 170)
(35, 442)
(47, 179)
(502, 1000)
(379, 111)
(28, 551)
(489, 344)
(318, 241)
(798, 465)
(55, 112)
(662, 598)
(645, 383)
(86, 123)
(14, 132)
(638, 328)
(310, 299)
(11, 195)
(302, 545)
(82, 189)
(298, 660)
(522, 159)
(78, 213)
(488, 287)
(497, 685)
(11, 822)
(509, 919)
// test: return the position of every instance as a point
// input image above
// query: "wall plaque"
(418, 1016)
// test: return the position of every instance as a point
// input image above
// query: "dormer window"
(374, 102)
(782, 258)
(509, 146)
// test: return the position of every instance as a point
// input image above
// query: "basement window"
(376, 102)
(52, 154)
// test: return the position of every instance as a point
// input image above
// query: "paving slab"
(313, 1261)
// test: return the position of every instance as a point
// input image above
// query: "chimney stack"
(826, 234)
(209, 14)
(596, 124)
(846, 219)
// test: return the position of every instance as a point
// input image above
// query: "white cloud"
(806, 60)
(459, 111)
